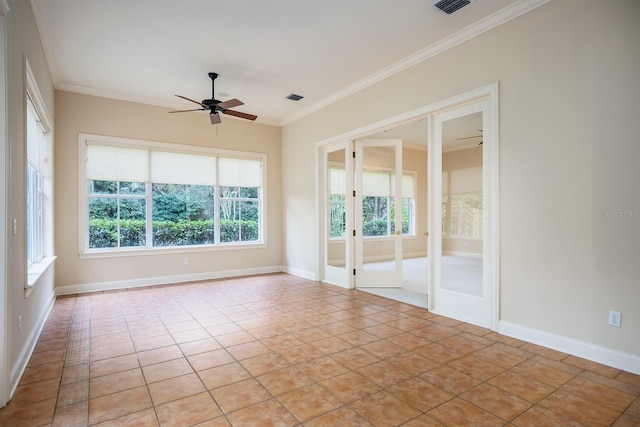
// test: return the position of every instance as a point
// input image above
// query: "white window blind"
(107, 163)
(376, 184)
(337, 181)
(239, 172)
(187, 169)
(382, 184)
(463, 181)
(35, 138)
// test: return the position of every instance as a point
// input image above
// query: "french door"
(378, 213)
(461, 242)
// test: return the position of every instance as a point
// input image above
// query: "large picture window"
(142, 195)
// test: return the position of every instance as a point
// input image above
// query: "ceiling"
(149, 50)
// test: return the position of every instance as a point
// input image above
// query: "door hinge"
(354, 154)
(354, 193)
(354, 271)
(354, 233)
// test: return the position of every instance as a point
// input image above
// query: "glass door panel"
(378, 230)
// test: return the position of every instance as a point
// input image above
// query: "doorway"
(456, 213)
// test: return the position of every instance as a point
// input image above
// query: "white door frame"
(4, 322)
(491, 160)
(478, 310)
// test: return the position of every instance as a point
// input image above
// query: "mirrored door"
(461, 288)
(336, 185)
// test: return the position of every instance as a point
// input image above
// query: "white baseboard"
(17, 370)
(300, 273)
(163, 280)
(460, 253)
(606, 356)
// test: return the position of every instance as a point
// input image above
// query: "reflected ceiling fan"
(215, 107)
(471, 137)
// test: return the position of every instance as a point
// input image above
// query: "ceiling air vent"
(295, 97)
(450, 6)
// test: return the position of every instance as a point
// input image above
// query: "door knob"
(426, 233)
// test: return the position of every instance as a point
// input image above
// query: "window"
(143, 195)
(378, 213)
(462, 203)
(36, 133)
(38, 184)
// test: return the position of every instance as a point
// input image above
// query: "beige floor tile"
(240, 395)
(118, 381)
(188, 411)
(269, 413)
(497, 401)
(165, 370)
(385, 409)
(384, 374)
(330, 356)
(119, 404)
(113, 365)
(284, 380)
(343, 416)
(420, 394)
(210, 359)
(458, 412)
(309, 402)
(223, 375)
(175, 388)
(74, 415)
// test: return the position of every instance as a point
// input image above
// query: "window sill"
(127, 252)
(37, 270)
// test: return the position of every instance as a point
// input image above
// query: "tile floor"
(277, 350)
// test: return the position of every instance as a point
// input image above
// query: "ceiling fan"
(471, 137)
(214, 106)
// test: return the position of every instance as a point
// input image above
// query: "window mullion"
(149, 214)
(216, 215)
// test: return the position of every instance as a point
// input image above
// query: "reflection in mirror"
(462, 214)
(336, 205)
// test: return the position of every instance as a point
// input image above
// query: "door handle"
(426, 233)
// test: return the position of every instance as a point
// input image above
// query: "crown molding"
(504, 15)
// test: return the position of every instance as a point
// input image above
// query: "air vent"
(450, 6)
(295, 97)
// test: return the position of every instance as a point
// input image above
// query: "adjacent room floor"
(278, 350)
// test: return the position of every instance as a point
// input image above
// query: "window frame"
(32, 97)
(83, 199)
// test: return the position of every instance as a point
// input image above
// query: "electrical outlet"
(19, 324)
(615, 318)
(186, 260)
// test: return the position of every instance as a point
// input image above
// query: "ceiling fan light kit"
(215, 106)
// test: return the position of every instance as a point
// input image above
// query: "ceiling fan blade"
(215, 118)
(184, 111)
(191, 100)
(240, 114)
(231, 103)
(468, 137)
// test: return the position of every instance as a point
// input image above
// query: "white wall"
(569, 77)
(24, 43)
(76, 113)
